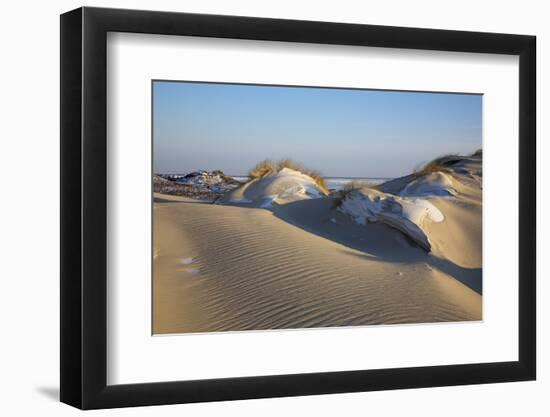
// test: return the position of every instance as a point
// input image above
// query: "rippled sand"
(229, 268)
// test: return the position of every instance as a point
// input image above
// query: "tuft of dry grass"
(290, 164)
(440, 164)
(263, 169)
(268, 167)
(319, 180)
(350, 187)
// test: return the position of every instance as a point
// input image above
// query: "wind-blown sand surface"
(220, 267)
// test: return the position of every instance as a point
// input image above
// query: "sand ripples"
(260, 272)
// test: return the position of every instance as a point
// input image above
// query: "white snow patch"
(363, 208)
(404, 214)
(436, 184)
(417, 209)
(286, 186)
(201, 178)
(193, 271)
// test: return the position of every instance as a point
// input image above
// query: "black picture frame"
(84, 207)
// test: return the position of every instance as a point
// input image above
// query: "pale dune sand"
(305, 264)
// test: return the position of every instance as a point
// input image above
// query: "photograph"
(292, 207)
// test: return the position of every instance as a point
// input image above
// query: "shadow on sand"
(471, 277)
(377, 241)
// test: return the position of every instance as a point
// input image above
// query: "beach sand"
(221, 267)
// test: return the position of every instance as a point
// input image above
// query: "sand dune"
(413, 205)
(282, 187)
(299, 262)
(233, 268)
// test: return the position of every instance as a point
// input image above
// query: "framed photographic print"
(258, 208)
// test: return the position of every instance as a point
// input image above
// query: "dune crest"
(285, 186)
(438, 184)
(397, 203)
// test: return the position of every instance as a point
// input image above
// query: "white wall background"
(29, 225)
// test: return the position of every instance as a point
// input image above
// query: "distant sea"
(333, 183)
(337, 183)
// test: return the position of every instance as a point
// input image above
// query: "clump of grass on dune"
(263, 169)
(319, 180)
(268, 167)
(441, 164)
(290, 164)
(350, 187)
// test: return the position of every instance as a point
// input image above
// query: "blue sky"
(341, 132)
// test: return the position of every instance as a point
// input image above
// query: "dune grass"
(443, 163)
(440, 164)
(350, 187)
(263, 169)
(268, 167)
